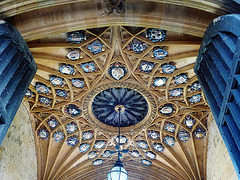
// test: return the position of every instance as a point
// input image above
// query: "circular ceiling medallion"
(128, 103)
(135, 105)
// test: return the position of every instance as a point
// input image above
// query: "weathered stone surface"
(17, 153)
(219, 164)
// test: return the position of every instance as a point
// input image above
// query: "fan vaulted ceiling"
(158, 65)
(119, 53)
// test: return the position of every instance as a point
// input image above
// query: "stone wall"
(219, 164)
(17, 152)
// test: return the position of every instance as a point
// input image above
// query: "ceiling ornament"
(88, 67)
(56, 81)
(158, 147)
(52, 123)
(134, 104)
(146, 67)
(195, 87)
(61, 93)
(96, 47)
(73, 55)
(44, 100)
(199, 133)
(28, 94)
(183, 136)
(146, 162)
(160, 82)
(84, 147)
(92, 155)
(156, 35)
(153, 134)
(76, 37)
(168, 68)
(160, 54)
(42, 89)
(72, 141)
(71, 128)
(189, 121)
(94, 105)
(195, 98)
(137, 46)
(117, 71)
(169, 141)
(72, 110)
(181, 79)
(58, 136)
(77, 83)
(43, 133)
(66, 69)
(114, 6)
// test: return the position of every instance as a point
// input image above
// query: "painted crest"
(170, 127)
(87, 135)
(43, 133)
(156, 35)
(73, 55)
(142, 144)
(168, 68)
(150, 155)
(44, 100)
(160, 54)
(189, 122)
(95, 48)
(76, 36)
(72, 110)
(72, 127)
(123, 139)
(146, 162)
(56, 81)
(117, 71)
(146, 67)
(158, 147)
(42, 89)
(106, 154)
(138, 47)
(72, 141)
(153, 134)
(199, 133)
(135, 153)
(77, 83)
(181, 79)
(183, 136)
(65, 69)
(29, 93)
(88, 67)
(169, 141)
(52, 123)
(176, 92)
(167, 109)
(97, 162)
(92, 154)
(84, 147)
(195, 98)
(100, 144)
(61, 93)
(58, 136)
(160, 81)
(196, 86)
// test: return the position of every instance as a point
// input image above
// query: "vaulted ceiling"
(119, 59)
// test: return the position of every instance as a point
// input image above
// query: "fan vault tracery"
(158, 64)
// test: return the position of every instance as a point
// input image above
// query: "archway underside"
(170, 143)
